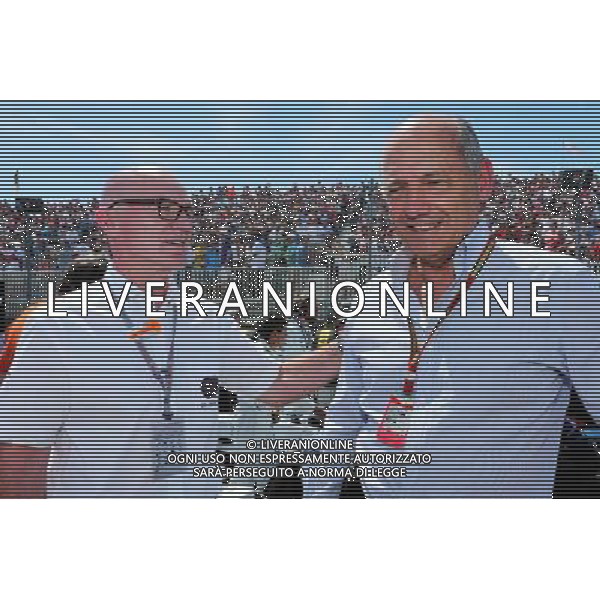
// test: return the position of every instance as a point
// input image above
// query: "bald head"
(145, 215)
(457, 133)
(144, 183)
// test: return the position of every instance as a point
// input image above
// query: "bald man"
(92, 404)
(468, 405)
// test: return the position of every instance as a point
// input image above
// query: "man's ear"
(486, 180)
(107, 220)
(101, 218)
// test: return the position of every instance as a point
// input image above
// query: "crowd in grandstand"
(304, 225)
(542, 211)
(50, 239)
(296, 226)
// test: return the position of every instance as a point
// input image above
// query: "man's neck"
(140, 277)
(440, 275)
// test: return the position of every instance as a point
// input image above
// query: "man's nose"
(414, 205)
(417, 210)
(182, 226)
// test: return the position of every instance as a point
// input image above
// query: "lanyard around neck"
(416, 350)
(164, 377)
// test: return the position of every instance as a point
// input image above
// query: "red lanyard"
(394, 427)
(416, 351)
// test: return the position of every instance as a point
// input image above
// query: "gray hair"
(469, 145)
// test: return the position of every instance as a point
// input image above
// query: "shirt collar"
(137, 296)
(471, 248)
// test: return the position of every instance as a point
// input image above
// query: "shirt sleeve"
(245, 367)
(35, 392)
(580, 336)
(344, 420)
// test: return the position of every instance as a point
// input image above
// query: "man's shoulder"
(33, 313)
(537, 262)
(36, 316)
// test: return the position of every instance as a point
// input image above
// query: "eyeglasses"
(168, 210)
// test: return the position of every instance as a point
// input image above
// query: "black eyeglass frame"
(159, 203)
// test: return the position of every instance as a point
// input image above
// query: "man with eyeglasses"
(92, 405)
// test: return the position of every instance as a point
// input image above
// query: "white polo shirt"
(492, 391)
(80, 386)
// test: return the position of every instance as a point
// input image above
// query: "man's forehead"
(421, 163)
(419, 143)
(144, 185)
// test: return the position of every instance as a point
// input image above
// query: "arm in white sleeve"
(580, 336)
(35, 394)
(344, 420)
